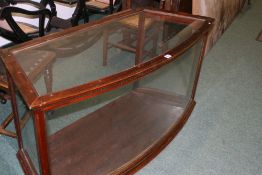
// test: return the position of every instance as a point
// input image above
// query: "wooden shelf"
(119, 136)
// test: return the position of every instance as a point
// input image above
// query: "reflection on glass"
(58, 119)
(178, 76)
(94, 53)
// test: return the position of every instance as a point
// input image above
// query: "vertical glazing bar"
(203, 50)
(15, 110)
(41, 139)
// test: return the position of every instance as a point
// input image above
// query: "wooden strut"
(4, 124)
(8, 120)
(4, 97)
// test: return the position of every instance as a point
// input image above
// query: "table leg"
(41, 140)
(15, 110)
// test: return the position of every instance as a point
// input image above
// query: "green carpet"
(224, 133)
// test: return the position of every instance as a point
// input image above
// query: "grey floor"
(224, 132)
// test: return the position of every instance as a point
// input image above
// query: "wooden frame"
(33, 72)
(41, 104)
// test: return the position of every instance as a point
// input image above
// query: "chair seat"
(133, 22)
(61, 23)
(27, 28)
(97, 4)
(35, 61)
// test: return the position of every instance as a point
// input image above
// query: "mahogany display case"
(95, 118)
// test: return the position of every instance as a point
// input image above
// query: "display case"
(107, 96)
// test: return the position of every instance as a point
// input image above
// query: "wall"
(224, 11)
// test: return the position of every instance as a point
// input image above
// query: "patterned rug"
(259, 37)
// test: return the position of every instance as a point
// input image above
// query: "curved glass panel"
(122, 124)
(100, 51)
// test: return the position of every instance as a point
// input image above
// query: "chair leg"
(105, 47)
(3, 97)
(48, 77)
(155, 39)
(86, 15)
(5, 132)
(126, 37)
(8, 120)
(140, 47)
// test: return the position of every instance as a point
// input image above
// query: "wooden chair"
(59, 23)
(102, 6)
(80, 43)
(4, 3)
(134, 29)
(171, 5)
(144, 3)
(19, 32)
(169, 29)
(35, 62)
(139, 27)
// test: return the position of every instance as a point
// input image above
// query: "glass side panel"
(178, 76)
(28, 133)
(103, 133)
(100, 51)
(60, 118)
(29, 140)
